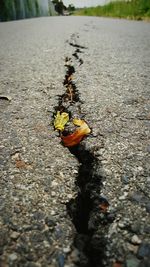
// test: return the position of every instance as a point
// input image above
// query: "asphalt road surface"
(87, 206)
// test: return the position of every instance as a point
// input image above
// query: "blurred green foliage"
(134, 9)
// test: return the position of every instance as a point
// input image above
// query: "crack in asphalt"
(89, 210)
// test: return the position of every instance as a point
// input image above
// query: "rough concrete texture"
(40, 178)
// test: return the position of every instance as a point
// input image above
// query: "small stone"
(135, 240)
(53, 193)
(148, 179)
(75, 255)
(37, 237)
(15, 156)
(53, 212)
(132, 248)
(123, 197)
(126, 187)
(13, 257)
(14, 235)
(46, 244)
(66, 250)
(111, 216)
(54, 184)
(136, 227)
(132, 262)
(144, 250)
(148, 149)
(48, 236)
(125, 179)
(147, 229)
(148, 207)
(17, 210)
(130, 101)
(38, 215)
(58, 232)
(121, 225)
(140, 169)
(136, 197)
(50, 221)
(114, 114)
(69, 196)
(124, 134)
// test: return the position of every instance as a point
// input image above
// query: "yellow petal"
(60, 120)
(83, 125)
(78, 122)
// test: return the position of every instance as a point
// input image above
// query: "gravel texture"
(40, 178)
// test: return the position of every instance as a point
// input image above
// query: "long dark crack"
(89, 210)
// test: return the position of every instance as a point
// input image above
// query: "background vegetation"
(133, 9)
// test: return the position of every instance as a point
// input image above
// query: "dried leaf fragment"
(60, 120)
(75, 138)
(104, 205)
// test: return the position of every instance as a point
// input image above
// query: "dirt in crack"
(89, 210)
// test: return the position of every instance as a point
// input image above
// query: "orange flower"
(75, 138)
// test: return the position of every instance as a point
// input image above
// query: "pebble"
(14, 235)
(124, 134)
(148, 207)
(135, 240)
(132, 248)
(136, 197)
(50, 221)
(131, 101)
(37, 237)
(53, 212)
(125, 179)
(144, 250)
(147, 229)
(53, 193)
(38, 215)
(136, 227)
(121, 225)
(123, 197)
(66, 250)
(132, 262)
(54, 184)
(148, 149)
(13, 257)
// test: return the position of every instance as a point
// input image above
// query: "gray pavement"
(43, 186)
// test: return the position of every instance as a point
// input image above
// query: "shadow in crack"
(88, 210)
